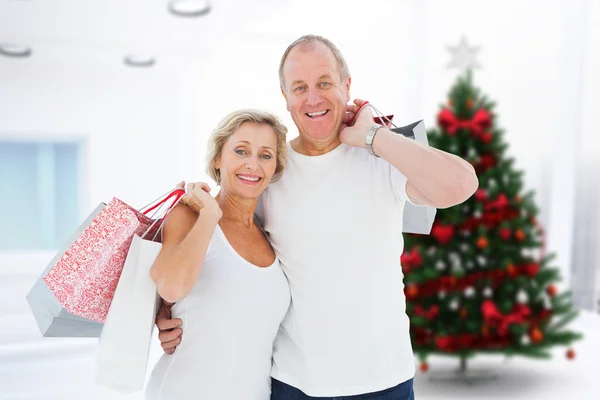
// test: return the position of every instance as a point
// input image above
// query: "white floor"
(33, 367)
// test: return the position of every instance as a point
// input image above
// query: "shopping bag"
(122, 357)
(416, 219)
(52, 318)
(72, 296)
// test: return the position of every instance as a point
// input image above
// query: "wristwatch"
(370, 137)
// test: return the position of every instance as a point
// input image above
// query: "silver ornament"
(481, 260)
(522, 297)
(469, 292)
(453, 304)
(440, 265)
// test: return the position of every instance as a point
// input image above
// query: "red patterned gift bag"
(84, 278)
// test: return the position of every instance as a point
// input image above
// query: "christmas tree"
(480, 282)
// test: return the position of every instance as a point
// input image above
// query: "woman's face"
(248, 160)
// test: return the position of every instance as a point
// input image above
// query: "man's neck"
(314, 148)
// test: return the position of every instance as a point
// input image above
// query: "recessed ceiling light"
(189, 8)
(134, 60)
(12, 50)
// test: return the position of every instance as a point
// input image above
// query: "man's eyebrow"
(324, 76)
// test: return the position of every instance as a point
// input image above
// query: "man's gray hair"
(310, 40)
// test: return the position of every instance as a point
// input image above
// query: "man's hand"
(169, 331)
(356, 134)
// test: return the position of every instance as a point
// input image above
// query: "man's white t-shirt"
(335, 222)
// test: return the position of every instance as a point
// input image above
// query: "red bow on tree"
(494, 318)
(477, 125)
(429, 314)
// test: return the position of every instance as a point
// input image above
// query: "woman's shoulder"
(178, 222)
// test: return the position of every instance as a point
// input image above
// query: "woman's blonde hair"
(230, 124)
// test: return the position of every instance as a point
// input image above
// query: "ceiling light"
(134, 60)
(189, 8)
(12, 50)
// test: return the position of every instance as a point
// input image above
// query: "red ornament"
(469, 104)
(512, 270)
(485, 331)
(482, 242)
(486, 137)
(532, 270)
(505, 233)
(412, 291)
(411, 260)
(487, 161)
(551, 290)
(536, 335)
(518, 198)
(424, 367)
(519, 234)
(452, 281)
(500, 204)
(444, 343)
(443, 233)
(571, 354)
(463, 313)
(481, 195)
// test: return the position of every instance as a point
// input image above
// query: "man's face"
(315, 95)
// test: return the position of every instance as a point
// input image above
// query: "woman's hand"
(198, 198)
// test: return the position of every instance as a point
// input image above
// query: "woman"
(220, 270)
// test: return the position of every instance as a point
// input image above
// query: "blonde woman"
(219, 269)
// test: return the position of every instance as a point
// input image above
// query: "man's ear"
(287, 105)
(347, 87)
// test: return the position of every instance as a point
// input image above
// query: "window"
(39, 194)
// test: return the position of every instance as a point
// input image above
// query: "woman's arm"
(186, 236)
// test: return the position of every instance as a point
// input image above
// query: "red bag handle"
(377, 120)
(177, 193)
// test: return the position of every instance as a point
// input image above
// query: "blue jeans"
(283, 391)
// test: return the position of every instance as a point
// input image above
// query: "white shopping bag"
(122, 359)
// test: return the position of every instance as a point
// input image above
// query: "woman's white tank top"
(230, 320)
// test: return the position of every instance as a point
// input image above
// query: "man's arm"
(435, 178)
(169, 329)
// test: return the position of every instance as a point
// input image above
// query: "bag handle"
(379, 119)
(177, 194)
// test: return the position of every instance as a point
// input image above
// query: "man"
(335, 222)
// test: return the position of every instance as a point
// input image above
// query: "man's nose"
(314, 97)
